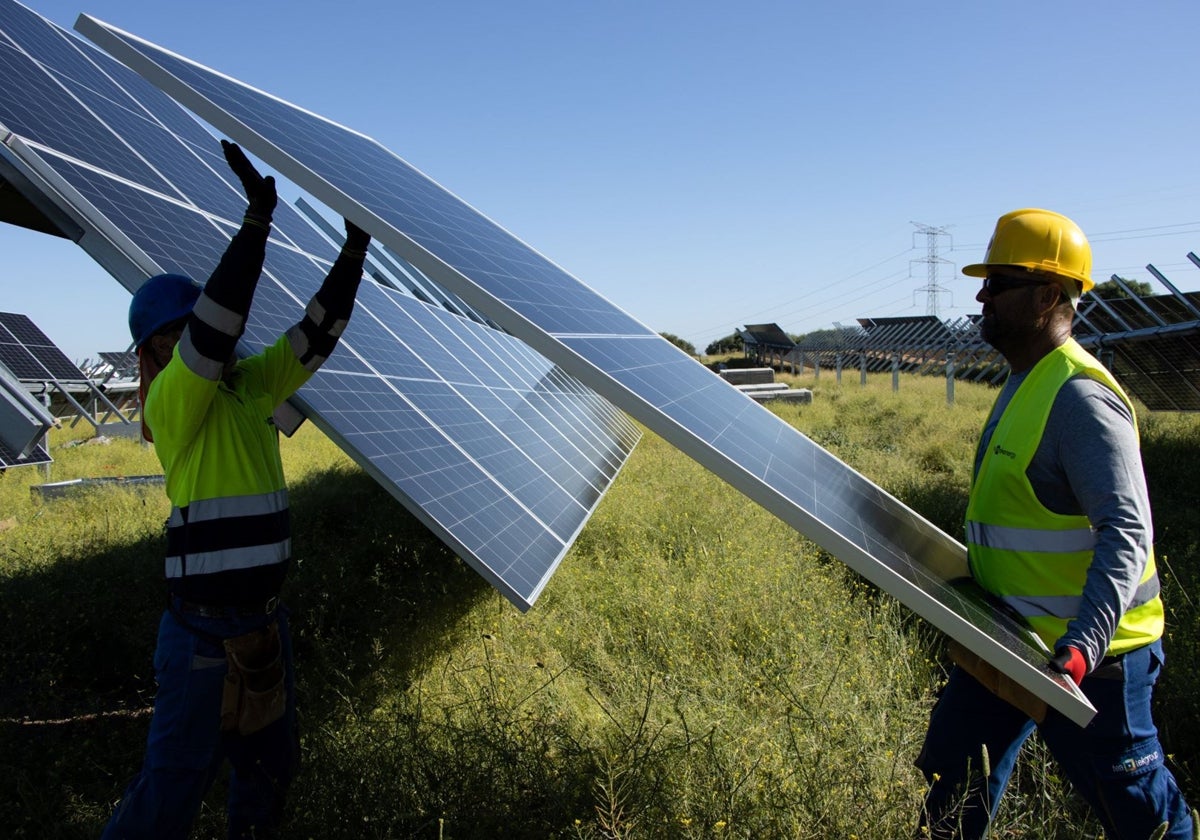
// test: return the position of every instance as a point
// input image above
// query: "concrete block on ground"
(800, 395)
(748, 376)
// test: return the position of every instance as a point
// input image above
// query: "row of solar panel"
(498, 451)
(496, 274)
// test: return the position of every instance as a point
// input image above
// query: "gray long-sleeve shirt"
(1089, 462)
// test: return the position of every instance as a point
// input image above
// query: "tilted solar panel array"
(497, 274)
(24, 422)
(31, 355)
(1151, 344)
(11, 458)
(120, 362)
(497, 450)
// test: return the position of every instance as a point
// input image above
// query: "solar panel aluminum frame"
(51, 219)
(1029, 672)
(23, 420)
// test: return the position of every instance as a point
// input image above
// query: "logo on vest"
(1000, 450)
(1132, 765)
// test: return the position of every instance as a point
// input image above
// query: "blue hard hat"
(161, 300)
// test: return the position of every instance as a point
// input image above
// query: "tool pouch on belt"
(254, 692)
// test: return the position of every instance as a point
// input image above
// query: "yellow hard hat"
(1038, 240)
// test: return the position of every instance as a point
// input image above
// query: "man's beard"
(1001, 334)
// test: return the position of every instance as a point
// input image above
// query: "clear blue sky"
(706, 165)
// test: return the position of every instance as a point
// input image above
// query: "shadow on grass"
(1171, 463)
(77, 639)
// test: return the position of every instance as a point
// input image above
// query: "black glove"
(357, 239)
(260, 191)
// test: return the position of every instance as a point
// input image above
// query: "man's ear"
(162, 345)
(1048, 297)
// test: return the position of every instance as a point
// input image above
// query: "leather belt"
(1110, 668)
(267, 607)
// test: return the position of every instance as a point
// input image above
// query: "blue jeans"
(186, 747)
(1115, 763)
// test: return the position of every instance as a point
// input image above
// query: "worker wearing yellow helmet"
(1058, 527)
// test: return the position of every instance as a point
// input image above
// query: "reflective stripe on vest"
(1035, 560)
(1031, 539)
(1067, 606)
(224, 534)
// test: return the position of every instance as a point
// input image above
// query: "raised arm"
(219, 317)
(315, 336)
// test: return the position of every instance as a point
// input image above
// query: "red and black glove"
(1068, 660)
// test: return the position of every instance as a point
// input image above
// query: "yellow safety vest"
(1036, 560)
(220, 458)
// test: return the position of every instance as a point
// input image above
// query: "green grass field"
(695, 668)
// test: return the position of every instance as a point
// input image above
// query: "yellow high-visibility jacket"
(229, 536)
(1034, 559)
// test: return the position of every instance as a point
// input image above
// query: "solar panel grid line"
(402, 274)
(54, 103)
(480, 414)
(1153, 355)
(434, 375)
(232, 192)
(429, 471)
(583, 412)
(90, 59)
(1163, 373)
(610, 454)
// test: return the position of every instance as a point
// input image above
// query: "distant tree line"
(731, 343)
(1109, 289)
(682, 343)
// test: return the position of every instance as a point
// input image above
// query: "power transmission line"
(932, 290)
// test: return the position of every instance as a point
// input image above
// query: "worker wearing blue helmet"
(223, 661)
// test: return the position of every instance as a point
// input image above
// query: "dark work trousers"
(1116, 762)
(186, 747)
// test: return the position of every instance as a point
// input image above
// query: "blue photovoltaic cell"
(9, 458)
(509, 282)
(500, 453)
(30, 355)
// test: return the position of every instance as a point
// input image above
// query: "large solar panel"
(24, 422)
(497, 450)
(770, 335)
(120, 362)
(31, 355)
(1151, 344)
(499, 275)
(13, 458)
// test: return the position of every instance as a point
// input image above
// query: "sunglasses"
(998, 284)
